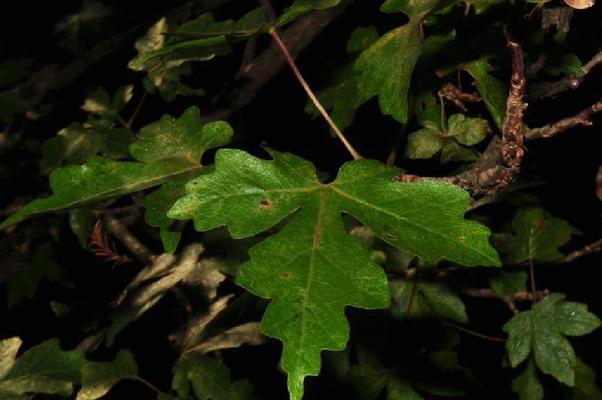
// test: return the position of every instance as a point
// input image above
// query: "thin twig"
(587, 250)
(475, 334)
(500, 162)
(149, 385)
(570, 82)
(137, 110)
(267, 64)
(532, 280)
(581, 119)
(395, 148)
(454, 94)
(509, 299)
(293, 65)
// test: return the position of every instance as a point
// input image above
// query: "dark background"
(567, 163)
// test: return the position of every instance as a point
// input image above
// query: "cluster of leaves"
(314, 247)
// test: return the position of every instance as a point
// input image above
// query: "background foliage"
(305, 273)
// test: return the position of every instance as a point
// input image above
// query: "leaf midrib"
(79, 201)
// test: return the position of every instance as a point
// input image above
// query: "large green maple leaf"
(312, 268)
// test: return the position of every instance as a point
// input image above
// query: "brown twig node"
(454, 94)
(501, 161)
(103, 248)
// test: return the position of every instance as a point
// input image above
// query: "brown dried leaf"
(580, 4)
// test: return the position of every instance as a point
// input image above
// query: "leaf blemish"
(265, 204)
(286, 274)
(390, 236)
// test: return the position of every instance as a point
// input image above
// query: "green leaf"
(452, 151)
(424, 143)
(342, 96)
(207, 379)
(559, 362)
(505, 283)
(492, 90)
(386, 69)
(158, 203)
(527, 385)
(369, 378)
(166, 64)
(415, 9)
(81, 221)
(361, 38)
(585, 383)
(574, 319)
(449, 140)
(101, 104)
(98, 378)
(467, 131)
(443, 301)
(166, 150)
(44, 368)
(520, 336)
(166, 52)
(77, 142)
(543, 328)
(301, 7)
(312, 268)
(537, 236)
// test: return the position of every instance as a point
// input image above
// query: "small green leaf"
(369, 378)
(312, 268)
(361, 38)
(47, 369)
(443, 300)
(424, 143)
(585, 383)
(158, 203)
(573, 319)
(452, 151)
(543, 329)
(505, 283)
(492, 90)
(467, 131)
(81, 221)
(166, 64)
(342, 96)
(98, 378)
(207, 379)
(386, 69)
(554, 355)
(44, 368)
(520, 335)
(527, 385)
(166, 150)
(537, 236)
